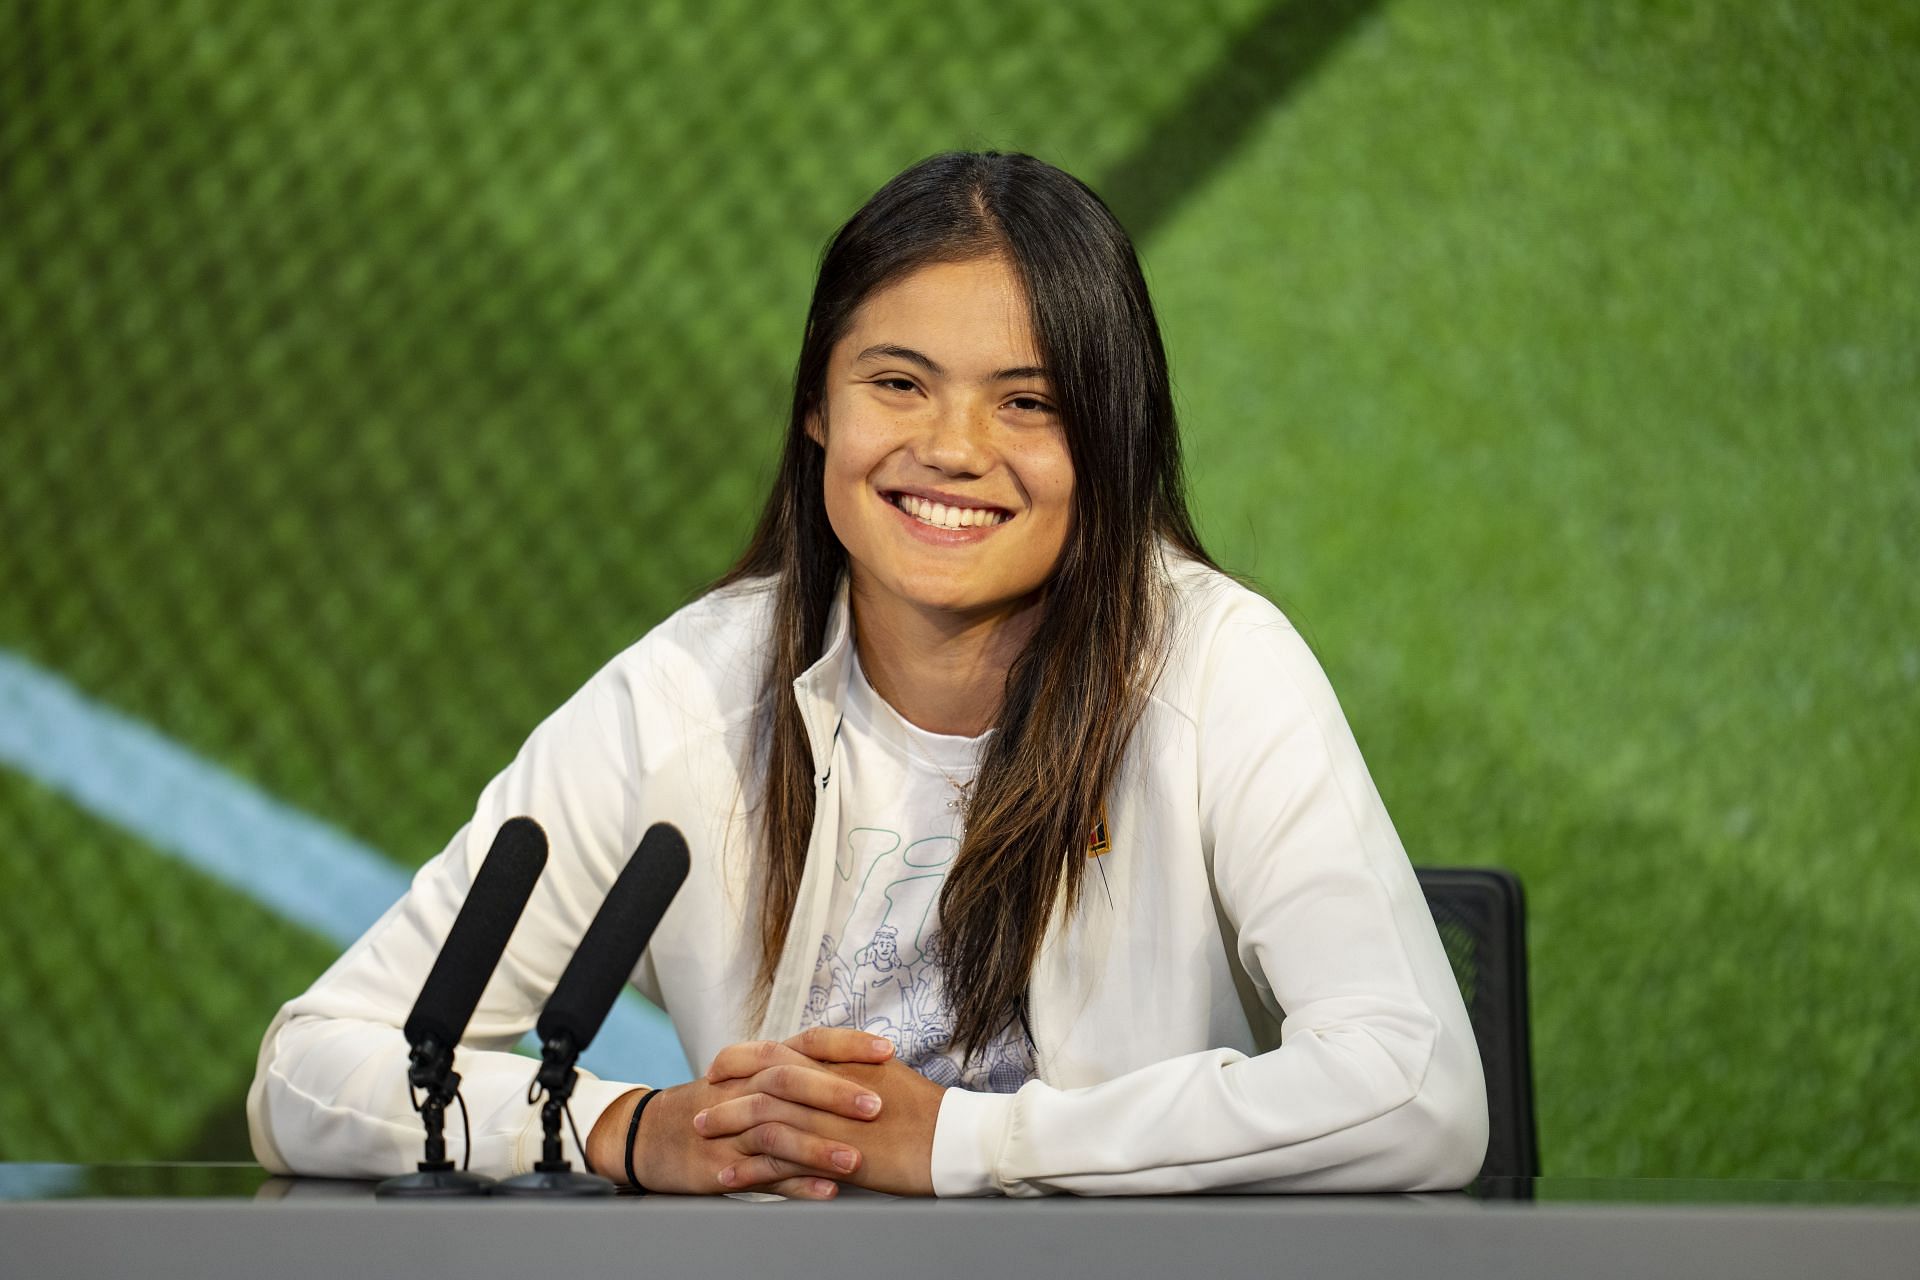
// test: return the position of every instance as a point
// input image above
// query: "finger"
(808, 1086)
(805, 1188)
(758, 1173)
(738, 1061)
(737, 1115)
(821, 1156)
(841, 1044)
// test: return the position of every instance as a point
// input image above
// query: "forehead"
(962, 314)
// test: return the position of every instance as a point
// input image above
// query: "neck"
(944, 672)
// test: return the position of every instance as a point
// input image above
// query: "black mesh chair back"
(1482, 917)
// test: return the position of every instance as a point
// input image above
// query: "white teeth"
(942, 516)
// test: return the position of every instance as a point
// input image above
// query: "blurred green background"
(372, 372)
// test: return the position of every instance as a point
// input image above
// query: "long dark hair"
(1074, 695)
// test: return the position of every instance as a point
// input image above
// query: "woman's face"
(947, 474)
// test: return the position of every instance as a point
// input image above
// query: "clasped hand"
(796, 1118)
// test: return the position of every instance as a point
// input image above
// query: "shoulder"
(1222, 635)
(706, 660)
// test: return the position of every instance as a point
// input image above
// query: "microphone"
(585, 994)
(451, 993)
(479, 935)
(614, 941)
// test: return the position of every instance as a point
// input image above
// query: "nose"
(954, 441)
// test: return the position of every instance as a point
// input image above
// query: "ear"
(817, 427)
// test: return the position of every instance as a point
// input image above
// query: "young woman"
(1030, 852)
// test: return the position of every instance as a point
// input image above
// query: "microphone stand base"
(435, 1183)
(555, 1182)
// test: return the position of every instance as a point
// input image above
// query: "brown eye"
(1030, 404)
(896, 384)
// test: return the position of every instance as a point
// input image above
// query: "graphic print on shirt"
(880, 971)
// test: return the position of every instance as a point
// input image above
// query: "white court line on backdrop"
(128, 774)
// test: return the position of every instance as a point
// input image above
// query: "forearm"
(1328, 1112)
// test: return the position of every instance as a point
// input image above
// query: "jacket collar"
(821, 689)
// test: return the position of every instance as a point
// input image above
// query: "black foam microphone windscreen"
(479, 935)
(619, 933)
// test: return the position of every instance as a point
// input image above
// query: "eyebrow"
(887, 350)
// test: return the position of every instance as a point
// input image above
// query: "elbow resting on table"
(1443, 1127)
(1447, 1135)
(1431, 1134)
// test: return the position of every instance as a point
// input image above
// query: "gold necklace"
(958, 802)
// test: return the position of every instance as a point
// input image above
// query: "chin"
(942, 592)
(943, 597)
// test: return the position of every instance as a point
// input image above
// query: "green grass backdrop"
(370, 373)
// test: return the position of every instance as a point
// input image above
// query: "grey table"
(217, 1221)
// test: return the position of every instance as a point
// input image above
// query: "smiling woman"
(948, 478)
(973, 662)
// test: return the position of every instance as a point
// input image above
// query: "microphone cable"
(466, 1125)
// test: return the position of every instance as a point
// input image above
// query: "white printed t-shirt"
(901, 820)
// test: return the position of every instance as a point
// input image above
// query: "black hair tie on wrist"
(633, 1131)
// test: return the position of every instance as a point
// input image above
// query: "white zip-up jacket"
(1252, 996)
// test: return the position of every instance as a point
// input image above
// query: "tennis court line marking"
(300, 868)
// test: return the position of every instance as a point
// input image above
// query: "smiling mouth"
(942, 516)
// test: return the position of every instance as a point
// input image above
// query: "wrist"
(607, 1143)
(638, 1169)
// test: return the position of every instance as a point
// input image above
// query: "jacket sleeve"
(330, 1096)
(1376, 1083)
